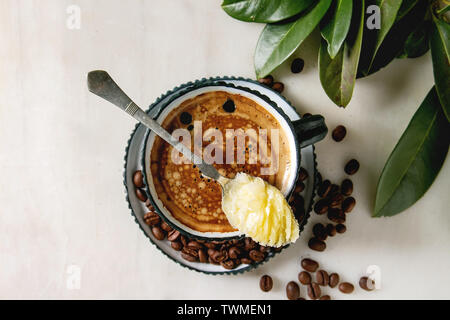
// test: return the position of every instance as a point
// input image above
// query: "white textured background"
(61, 150)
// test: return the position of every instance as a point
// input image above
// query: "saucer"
(133, 163)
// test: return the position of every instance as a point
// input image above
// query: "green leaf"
(440, 44)
(336, 29)
(278, 41)
(264, 11)
(388, 11)
(406, 7)
(338, 75)
(417, 43)
(415, 161)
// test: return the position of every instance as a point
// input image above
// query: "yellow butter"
(260, 211)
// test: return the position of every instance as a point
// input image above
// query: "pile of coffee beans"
(229, 254)
(271, 83)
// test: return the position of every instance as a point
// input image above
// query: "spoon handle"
(101, 84)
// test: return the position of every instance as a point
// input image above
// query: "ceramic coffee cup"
(300, 134)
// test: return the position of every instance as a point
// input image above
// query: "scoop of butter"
(259, 210)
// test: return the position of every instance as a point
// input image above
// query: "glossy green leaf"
(440, 45)
(338, 75)
(388, 10)
(264, 11)
(336, 29)
(415, 161)
(406, 7)
(278, 41)
(417, 43)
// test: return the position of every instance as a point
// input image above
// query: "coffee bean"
(229, 106)
(348, 204)
(334, 280)
(210, 245)
(299, 188)
(317, 245)
(158, 233)
(249, 244)
(266, 283)
(322, 278)
(228, 264)
(234, 253)
(366, 283)
(324, 188)
(336, 215)
(309, 265)
(340, 228)
(211, 261)
(183, 240)
(220, 256)
(177, 246)
(138, 179)
(320, 232)
(188, 257)
(331, 230)
(321, 206)
(195, 245)
(190, 251)
(152, 219)
(256, 256)
(246, 261)
(166, 227)
(339, 133)
(292, 291)
(278, 86)
(173, 235)
(346, 287)
(268, 81)
(336, 200)
(297, 65)
(140, 194)
(303, 174)
(326, 297)
(186, 118)
(347, 187)
(314, 291)
(351, 167)
(304, 278)
(202, 256)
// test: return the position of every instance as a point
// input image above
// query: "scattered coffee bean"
(246, 261)
(228, 264)
(177, 246)
(140, 194)
(292, 291)
(152, 219)
(317, 245)
(324, 188)
(300, 187)
(268, 81)
(173, 235)
(321, 206)
(331, 230)
(195, 245)
(278, 86)
(340, 228)
(334, 280)
(336, 215)
(351, 167)
(297, 65)
(266, 283)
(347, 187)
(138, 179)
(366, 283)
(314, 291)
(256, 256)
(336, 200)
(303, 175)
(234, 253)
(166, 227)
(326, 297)
(188, 257)
(348, 204)
(202, 256)
(322, 278)
(158, 233)
(309, 265)
(186, 118)
(320, 231)
(346, 287)
(339, 133)
(304, 278)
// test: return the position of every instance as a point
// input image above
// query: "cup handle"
(310, 130)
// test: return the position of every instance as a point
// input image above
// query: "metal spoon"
(101, 84)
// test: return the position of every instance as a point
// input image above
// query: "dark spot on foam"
(229, 106)
(186, 118)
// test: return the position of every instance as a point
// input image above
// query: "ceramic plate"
(133, 162)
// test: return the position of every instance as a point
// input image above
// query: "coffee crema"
(194, 200)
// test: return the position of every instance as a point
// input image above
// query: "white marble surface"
(61, 150)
